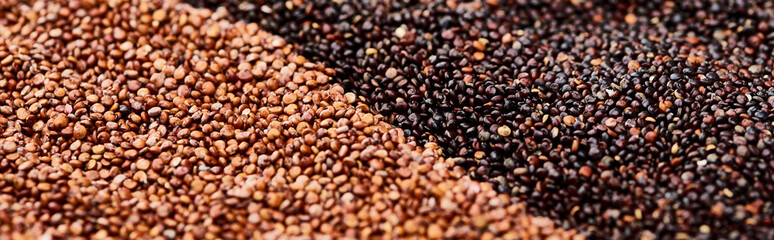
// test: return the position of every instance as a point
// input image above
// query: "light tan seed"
(143, 164)
(55, 33)
(159, 15)
(213, 31)
(159, 64)
(391, 73)
(504, 131)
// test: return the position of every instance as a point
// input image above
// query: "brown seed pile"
(138, 119)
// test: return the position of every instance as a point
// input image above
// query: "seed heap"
(629, 118)
(137, 119)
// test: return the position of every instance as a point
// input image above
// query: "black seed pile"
(647, 119)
